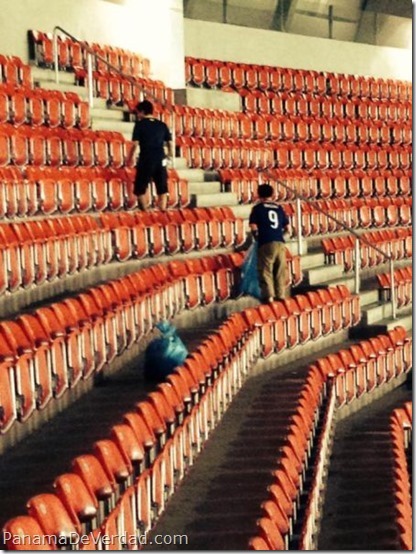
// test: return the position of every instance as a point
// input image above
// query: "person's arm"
(285, 224)
(168, 145)
(254, 231)
(253, 224)
(132, 154)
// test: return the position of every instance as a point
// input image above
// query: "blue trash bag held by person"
(249, 274)
(164, 353)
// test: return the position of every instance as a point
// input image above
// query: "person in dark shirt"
(268, 223)
(152, 136)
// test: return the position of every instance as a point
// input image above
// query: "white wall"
(153, 28)
(241, 44)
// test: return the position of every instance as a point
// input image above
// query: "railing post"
(299, 224)
(55, 55)
(357, 264)
(393, 290)
(89, 80)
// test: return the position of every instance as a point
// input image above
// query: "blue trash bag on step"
(164, 353)
(249, 275)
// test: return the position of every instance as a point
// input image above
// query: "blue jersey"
(271, 221)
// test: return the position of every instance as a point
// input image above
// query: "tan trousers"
(271, 266)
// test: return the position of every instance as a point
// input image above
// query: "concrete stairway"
(206, 191)
(204, 187)
(358, 512)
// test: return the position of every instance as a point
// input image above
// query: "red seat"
(25, 533)
(53, 518)
(98, 483)
(77, 500)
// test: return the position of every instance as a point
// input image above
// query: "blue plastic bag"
(249, 275)
(164, 353)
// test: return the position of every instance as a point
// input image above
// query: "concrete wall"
(153, 29)
(241, 44)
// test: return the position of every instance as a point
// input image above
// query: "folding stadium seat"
(97, 482)
(8, 402)
(197, 69)
(53, 518)
(17, 105)
(212, 74)
(224, 81)
(70, 151)
(192, 290)
(269, 532)
(208, 235)
(23, 531)
(80, 504)
(86, 149)
(258, 543)
(290, 338)
(114, 464)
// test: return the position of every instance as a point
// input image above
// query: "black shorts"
(150, 170)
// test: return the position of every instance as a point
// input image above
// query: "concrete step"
(63, 87)
(108, 113)
(40, 74)
(208, 98)
(204, 188)
(382, 311)
(375, 312)
(368, 297)
(191, 175)
(312, 260)
(124, 127)
(180, 164)
(323, 274)
(403, 319)
(212, 200)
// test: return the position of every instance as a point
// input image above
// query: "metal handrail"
(300, 198)
(114, 68)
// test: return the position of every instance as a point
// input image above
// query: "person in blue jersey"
(268, 223)
(152, 136)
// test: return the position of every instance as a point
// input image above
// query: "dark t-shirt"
(152, 135)
(271, 221)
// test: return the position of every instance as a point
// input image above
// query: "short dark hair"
(265, 191)
(145, 106)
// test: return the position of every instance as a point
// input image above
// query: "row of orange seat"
(136, 234)
(43, 146)
(119, 90)
(36, 106)
(280, 511)
(395, 243)
(235, 76)
(318, 184)
(316, 216)
(345, 375)
(401, 426)
(14, 72)
(305, 317)
(122, 487)
(51, 349)
(327, 107)
(403, 280)
(42, 250)
(201, 122)
(221, 153)
(44, 191)
(71, 55)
